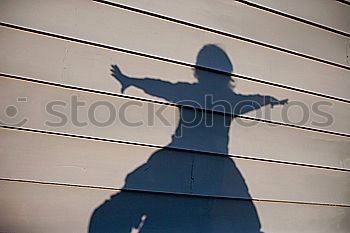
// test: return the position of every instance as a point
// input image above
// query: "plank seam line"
(226, 34)
(296, 18)
(93, 138)
(4, 75)
(344, 2)
(171, 193)
(162, 59)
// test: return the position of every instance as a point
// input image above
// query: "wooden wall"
(280, 169)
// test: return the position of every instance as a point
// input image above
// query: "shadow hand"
(279, 102)
(124, 80)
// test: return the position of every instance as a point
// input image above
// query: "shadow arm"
(154, 87)
(247, 103)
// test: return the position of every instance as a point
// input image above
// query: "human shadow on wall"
(179, 171)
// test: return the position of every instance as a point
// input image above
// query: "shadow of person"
(222, 202)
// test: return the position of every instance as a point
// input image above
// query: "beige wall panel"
(112, 26)
(321, 161)
(239, 19)
(58, 159)
(50, 108)
(27, 55)
(329, 13)
(68, 209)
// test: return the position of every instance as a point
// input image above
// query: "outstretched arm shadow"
(154, 87)
(243, 104)
(169, 170)
(181, 92)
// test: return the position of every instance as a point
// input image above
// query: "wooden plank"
(68, 209)
(329, 13)
(239, 19)
(56, 109)
(41, 158)
(26, 54)
(165, 39)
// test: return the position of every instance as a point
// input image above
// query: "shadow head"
(214, 57)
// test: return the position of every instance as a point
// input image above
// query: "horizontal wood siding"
(173, 41)
(77, 204)
(79, 153)
(333, 14)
